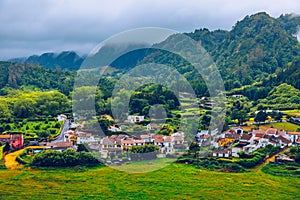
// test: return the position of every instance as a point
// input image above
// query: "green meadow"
(175, 181)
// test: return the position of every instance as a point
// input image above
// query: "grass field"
(144, 166)
(176, 181)
(279, 125)
(295, 113)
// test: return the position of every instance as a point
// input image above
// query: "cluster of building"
(234, 140)
(117, 144)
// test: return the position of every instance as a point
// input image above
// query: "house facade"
(135, 119)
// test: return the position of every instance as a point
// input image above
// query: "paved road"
(66, 126)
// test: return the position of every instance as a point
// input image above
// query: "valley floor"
(176, 181)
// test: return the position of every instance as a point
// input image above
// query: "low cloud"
(33, 26)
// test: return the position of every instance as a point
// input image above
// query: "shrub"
(66, 158)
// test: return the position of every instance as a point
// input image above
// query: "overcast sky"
(35, 26)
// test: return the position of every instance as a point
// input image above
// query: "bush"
(235, 167)
(66, 158)
(251, 162)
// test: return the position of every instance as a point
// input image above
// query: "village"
(116, 146)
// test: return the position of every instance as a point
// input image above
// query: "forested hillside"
(259, 53)
(17, 75)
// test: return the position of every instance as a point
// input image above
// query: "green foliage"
(261, 116)
(286, 170)
(81, 147)
(66, 158)
(145, 152)
(283, 96)
(6, 147)
(27, 104)
(31, 76)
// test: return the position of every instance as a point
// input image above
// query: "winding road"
(65, 128)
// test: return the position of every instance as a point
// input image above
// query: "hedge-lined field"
(176, 181)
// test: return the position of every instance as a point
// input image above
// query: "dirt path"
(10, 159)
(270, 159)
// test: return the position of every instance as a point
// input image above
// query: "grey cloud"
(33, 26)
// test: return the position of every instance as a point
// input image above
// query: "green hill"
(17, 75)
(65, 60)
(283, 96)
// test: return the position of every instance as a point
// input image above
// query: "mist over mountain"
(65, 60)
(260, 52)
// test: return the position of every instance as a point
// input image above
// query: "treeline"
(30, 76)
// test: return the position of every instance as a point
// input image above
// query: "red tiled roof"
(205, 136)
(258, 131)
(155, 136)
(284, 140)
(138, 141)
(159, 140)
(222, 151)
(267, 136)
(246, 137)
(16, 136)
(168, 139)
(271, 131)
(272, 141)
(293, 133)
(4, 136)
(261, 135)
(121, 136)
(232, 135)
(145, 136)
(108, 141)
(127, 141)
(59, 144)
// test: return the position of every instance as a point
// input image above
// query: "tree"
(81, 148)
(4, 110)
(261, 116)
(240, 115)
(6, 148)
(24, 108)
(297, 158)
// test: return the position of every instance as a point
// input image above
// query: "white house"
(61, 117)
(114, 128)
(85, 138)
(135, 119)
(225, 153)
(235, 151)
(293, 136)
(168, 146)
(237, 96)
(147, 138)
(238, 130)
(151, 126)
